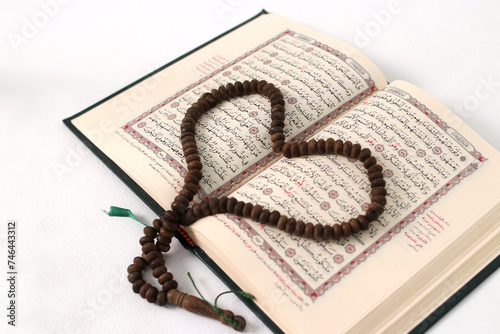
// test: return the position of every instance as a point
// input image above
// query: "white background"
(59, 57)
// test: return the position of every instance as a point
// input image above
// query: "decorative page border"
(272, 156)
(386, 237)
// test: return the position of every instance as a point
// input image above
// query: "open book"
(440, 225)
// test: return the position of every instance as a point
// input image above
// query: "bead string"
(182, 214)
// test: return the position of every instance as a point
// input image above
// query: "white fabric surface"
(71, 258)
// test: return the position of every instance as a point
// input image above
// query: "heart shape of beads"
(157, 238)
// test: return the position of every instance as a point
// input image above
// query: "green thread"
(121, 212)
(231, 321)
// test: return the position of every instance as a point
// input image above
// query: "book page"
(427, 154)
(319, 77)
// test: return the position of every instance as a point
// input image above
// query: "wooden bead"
(347, 148)
(346, 229)
(375, 168)
(338, 146)
(204, 103)
(157, 263)
(300, 228)
(163, 248)
(370, 161)
(158, 271)
(238, 87)
(223, 92)
(170, 225)
(364, 223)
(253, 85)
(205, 207)
(144, 288)
(153, 255)
(277, 136)
(356, 148)
(144, 240)
(327, 233)
(231, 202)
(378, 183)
(374, 176)
(329, 144)
(286, 150)
(149, 247)
(157, 225)
(278, 122)
(354, 224)
(213, 203)
(230, 89)
(255, 213)
(275, 129)
(151, 294)
(337, 231)
(312, 146)
(320, 146)
(191, 179)
(166, 233)
(195, 165)
(364, 154)
(162, 240)
(378, 191)
(294, 150)
(290, 225)
(278, 146)
(211, 100)
(217, 95)
(377, 207)
(247, 89)
(134, 276)
(309, 230)
(191, 150)
(149, 231)
(247, 210)
(277, 100)
(181, 200)
(264, 216)
(278, 107)
(186, 193)
(223, 204)
(190, 217)
(136, 286)
(266, 88)
(303, 148)
(281, 223)
(134, 268)
(273, 218)
(172, 216)
(140, 262)
(276, 94)
(318, 231)
(165, 277)
(193, 157)
(261, 85)
(238, 208)
(379, 199)
(161, 298)
(169, 285)
(280, 115)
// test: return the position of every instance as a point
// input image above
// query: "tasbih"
(157, 238)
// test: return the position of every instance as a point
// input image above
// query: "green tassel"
(232, 322)
(121, 212)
